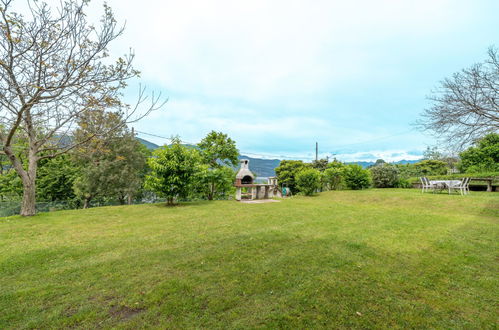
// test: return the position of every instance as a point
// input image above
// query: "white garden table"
(445, 183)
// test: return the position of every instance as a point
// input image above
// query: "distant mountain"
(366, 164)
(265, 167)
(262, 167)
(149, 145)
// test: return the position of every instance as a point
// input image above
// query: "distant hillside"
(149, 145)
(262, 167)
(367, 164)
(265, 167)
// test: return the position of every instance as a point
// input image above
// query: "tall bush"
(286, 173)
(384, 176)
(333, 176)
(357, 177)
(308, 181)
(173, 170)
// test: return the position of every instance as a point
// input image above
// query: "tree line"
(117, 168)
(481, 159)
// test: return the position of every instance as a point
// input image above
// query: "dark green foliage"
(483, 157)
(113, 166)
(357, 177)
(384, 175)
(286, 173)
(11, 186)
(56, 177)
(173, 170)
(431, 167)
(308, 181)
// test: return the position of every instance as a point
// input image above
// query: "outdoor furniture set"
(458, 185)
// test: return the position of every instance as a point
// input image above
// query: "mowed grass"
(361, 259)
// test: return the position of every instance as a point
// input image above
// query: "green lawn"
(362, 259)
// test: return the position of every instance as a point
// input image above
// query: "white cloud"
(279, 75)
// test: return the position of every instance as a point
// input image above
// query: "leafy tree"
(379, 162)
(286, 173)
(483, 157)
(112, 166)
(173, 170)
(465, 106)
(385, 176)
(356, 177)
(217, 151)
(431, 167)
(214, 183)
(333, 176)
(54, 68)
(308, 181)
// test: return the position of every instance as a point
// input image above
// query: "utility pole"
(316, 151)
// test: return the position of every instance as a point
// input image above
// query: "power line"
(241, 151)
(287, 157)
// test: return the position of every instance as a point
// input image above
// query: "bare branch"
(465, 106)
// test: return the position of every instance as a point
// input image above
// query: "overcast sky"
(277, 76)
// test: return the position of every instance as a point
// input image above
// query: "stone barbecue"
(246, 188)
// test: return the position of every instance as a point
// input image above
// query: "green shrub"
(286, 173)
(483, 157)
(403, 183)
(431, 167)
(385, 175)
(308, 181)
(356, 177)
(333, 177)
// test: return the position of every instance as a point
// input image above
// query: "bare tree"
(54, 67)
(465, 106)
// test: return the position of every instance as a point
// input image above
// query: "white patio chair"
(426, 184)
(463, 186)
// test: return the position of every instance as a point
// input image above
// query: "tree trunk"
(28, 206)
(130, 197)
(28, 177)
(212, 192)
(86, 202)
